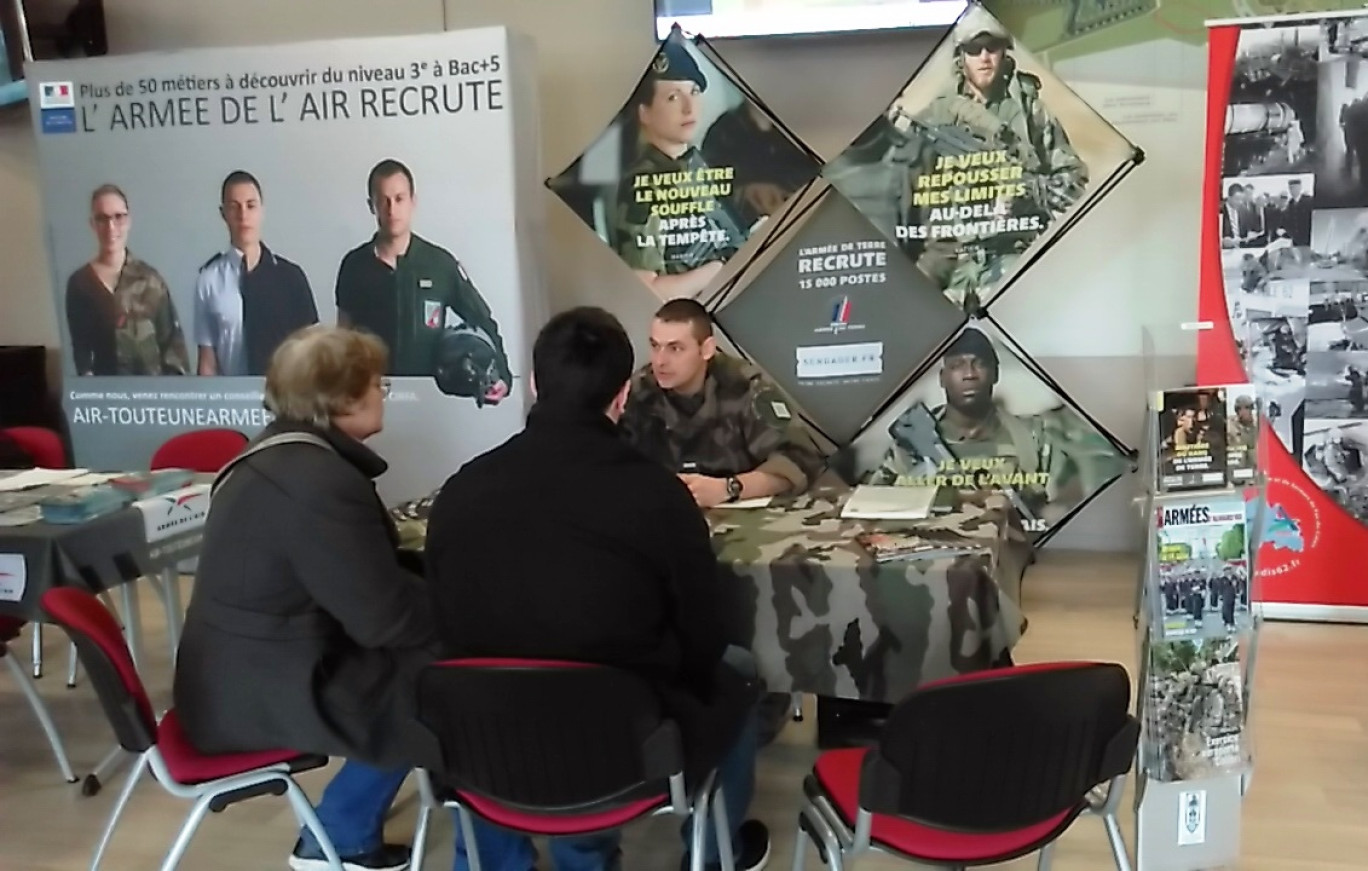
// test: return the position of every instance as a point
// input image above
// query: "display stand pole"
(1194, 763)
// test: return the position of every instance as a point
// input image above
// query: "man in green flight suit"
(408, 291)
(1053, 461)
(998, 104)
(673, 224)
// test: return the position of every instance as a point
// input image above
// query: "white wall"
(1096, 288)
(26, 314)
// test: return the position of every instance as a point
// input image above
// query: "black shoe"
(775, 711)
(388, 857)
(750, 849)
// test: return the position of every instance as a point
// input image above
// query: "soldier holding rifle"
(991, 105)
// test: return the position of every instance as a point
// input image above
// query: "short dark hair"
(684, 310)
(383, 170)
(237, 177)
(581, 358)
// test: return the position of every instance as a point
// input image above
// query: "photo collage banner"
(1285, 282)
(863, 284)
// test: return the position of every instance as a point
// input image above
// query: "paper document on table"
(874, 502)
(758, 502)
(21, 516)
(38, 478)
(91, 479)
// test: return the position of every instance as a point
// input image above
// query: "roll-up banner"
(202, 205)
(1284, 281)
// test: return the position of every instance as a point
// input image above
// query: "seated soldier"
(713, 419)
(635, 585)
(720, 425)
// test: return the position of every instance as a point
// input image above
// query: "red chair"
(10, 627)
(604, 754)
(43, 445)
(979, 769)
(213, 782)
(203, 450)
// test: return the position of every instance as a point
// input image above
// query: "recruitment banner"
(1284, 280)
(201, 206)
(685, 173)
(980, 162)
(982, 417)
(838, 318)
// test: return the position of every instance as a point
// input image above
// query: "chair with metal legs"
(10, 628)
(212, 782)
(605, 755)
(978, 770)
(45, 448)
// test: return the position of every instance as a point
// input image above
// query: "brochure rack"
(1197, 614)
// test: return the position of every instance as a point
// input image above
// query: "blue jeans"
(353, 809)
(502, 850)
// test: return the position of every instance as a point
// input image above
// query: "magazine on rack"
(1202, 583)
(1241, 433)
(1195, 710)
(1192, 439)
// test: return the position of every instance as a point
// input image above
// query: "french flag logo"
(56, 95)
(840, 312)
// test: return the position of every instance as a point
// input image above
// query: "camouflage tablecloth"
(828, 619)
(823, 617)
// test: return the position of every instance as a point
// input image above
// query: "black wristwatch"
(733, 488)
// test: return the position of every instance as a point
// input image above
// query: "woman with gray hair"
(305, 632)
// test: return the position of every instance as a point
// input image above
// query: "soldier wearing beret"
(1052, 460)
(663, 197)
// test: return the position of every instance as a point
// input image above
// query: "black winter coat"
(565, 542)
(304, 632)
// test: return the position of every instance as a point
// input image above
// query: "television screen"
(726, 18)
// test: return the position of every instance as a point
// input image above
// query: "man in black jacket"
(616, 568)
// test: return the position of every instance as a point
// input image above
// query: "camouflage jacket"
(637, 233)
(1016, 120)
(146, 339)
(1241, 435)
(743, 424)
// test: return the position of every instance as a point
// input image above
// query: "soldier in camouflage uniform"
(120, 315)
(1051, 460)
(714, 419)
(1000, 106)
(669, 172)
(1242, 431)
(724, 428)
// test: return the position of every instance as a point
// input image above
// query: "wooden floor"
(1307, 810)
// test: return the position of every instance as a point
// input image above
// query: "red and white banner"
(1284, 282)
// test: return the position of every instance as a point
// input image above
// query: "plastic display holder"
(1197, 626)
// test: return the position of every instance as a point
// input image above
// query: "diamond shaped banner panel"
(982, 418)
(685, 173)
(838, 319)
(983, 160)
